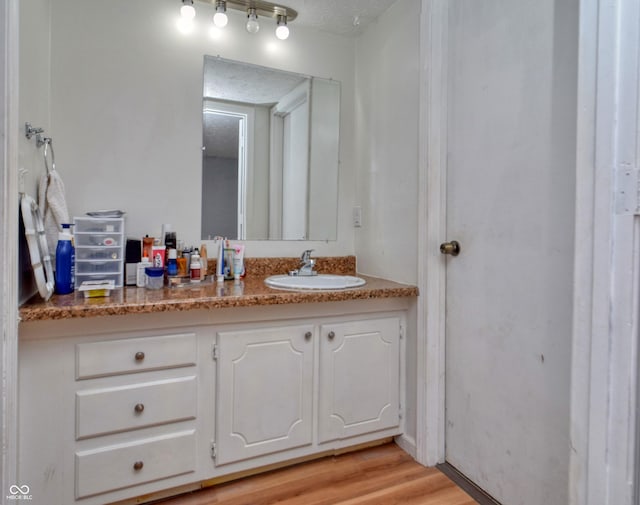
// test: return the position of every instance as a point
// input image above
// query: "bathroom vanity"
(146, 394)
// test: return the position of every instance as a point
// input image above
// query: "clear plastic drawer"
(98, 253)
(98, 267)
(93, 225)
(98, 239)
(116, 278)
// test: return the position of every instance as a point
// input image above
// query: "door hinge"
(628, 192)
(400, 413)
(214, 451)
(401, 331)
(214, 352)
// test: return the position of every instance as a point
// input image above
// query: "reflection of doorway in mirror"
(224, 170)
(289, 167)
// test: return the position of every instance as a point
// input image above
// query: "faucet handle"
(306, 255)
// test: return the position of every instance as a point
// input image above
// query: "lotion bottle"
(195, 267)
(141, 278)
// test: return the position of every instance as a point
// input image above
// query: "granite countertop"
(250, 291)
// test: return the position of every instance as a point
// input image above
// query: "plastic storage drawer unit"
(99, 249)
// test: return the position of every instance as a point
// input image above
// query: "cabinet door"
(265, 391)
(359, 378)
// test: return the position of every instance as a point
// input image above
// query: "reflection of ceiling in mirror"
(240, 82)
(220, 135)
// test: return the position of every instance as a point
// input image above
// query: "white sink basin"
(320, 281)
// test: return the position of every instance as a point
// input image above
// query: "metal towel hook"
(41, 140)
(30, 131)
(48, 146)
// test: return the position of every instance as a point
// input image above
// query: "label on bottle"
(195, 274)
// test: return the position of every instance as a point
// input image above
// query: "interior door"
(510, 198)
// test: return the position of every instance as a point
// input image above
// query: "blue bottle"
(65, 262)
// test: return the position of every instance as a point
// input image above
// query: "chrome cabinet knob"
(331, 335)
(308, 335)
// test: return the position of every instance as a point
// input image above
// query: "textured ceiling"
(241, 82)
(337, 16)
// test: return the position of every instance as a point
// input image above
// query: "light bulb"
(282, 31)
(220, 19)
(252, 24)
(187, 11)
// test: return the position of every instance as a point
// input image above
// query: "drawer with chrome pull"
(116, 357)
(114, 409)
(130, 464)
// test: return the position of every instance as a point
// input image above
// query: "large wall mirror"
(270, 153)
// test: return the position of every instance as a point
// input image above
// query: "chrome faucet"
(306, 265)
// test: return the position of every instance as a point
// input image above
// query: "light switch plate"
(357, 217)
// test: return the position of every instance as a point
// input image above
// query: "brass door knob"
(452, 248)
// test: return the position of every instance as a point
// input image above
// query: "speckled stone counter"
(251, 291)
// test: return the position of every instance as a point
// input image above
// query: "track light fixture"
(253, 8)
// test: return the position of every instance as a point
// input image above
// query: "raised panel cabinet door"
(359, 378)
(265, 391)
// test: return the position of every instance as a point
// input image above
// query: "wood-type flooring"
(383, 475)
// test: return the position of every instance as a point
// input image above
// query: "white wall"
(387, 76)
(387, 98)
(127, 95)
(35, 84)
(33, 107)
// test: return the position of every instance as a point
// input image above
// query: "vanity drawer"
(115, 357)
(110, 410)
(120, 466)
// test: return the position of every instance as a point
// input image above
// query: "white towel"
(53, 207)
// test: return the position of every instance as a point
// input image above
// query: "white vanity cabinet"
(109, 416)
(140, 406)
(264, 391)
(269, 399)
(359, 383)
(138, 401)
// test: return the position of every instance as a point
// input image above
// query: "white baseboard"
(407, 444)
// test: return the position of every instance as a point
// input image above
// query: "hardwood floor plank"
(383, 475)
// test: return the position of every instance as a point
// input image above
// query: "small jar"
(155, 277)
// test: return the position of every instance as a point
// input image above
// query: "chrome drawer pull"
(139, 408)
(138, 465)
(139, 356)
